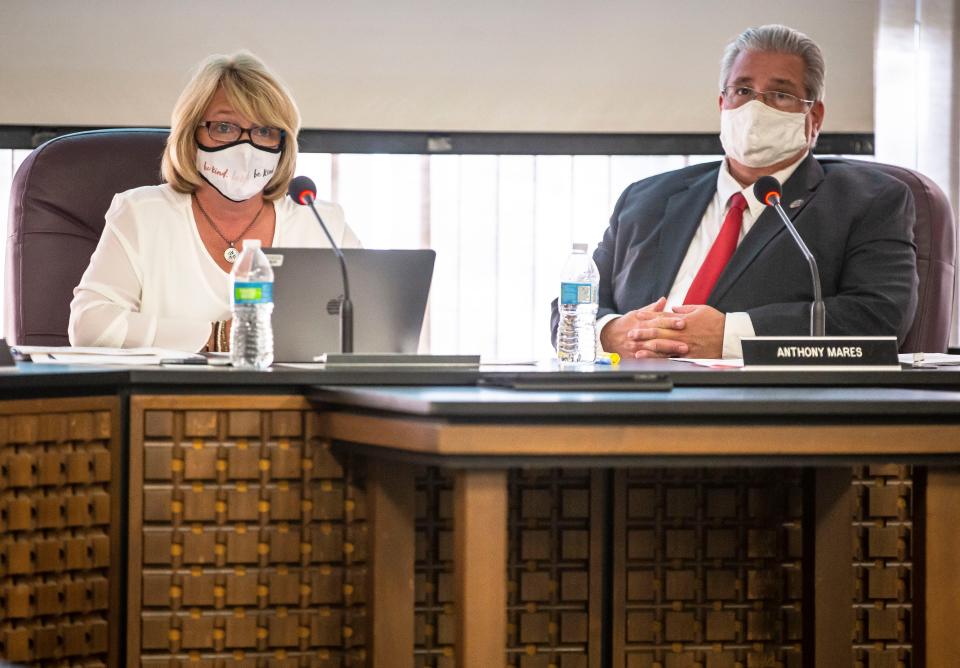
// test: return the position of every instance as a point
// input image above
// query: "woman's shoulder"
(162, 195)
(143, 212)
(330, 212)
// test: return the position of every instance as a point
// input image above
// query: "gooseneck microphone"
(302, 190)
(768, 190)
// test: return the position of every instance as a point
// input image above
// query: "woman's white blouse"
(151, 281)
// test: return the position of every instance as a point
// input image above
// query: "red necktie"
(720, 253)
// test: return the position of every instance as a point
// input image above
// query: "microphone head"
(767, 190)
(302, 190)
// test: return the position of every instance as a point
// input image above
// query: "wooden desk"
(181, 517)
(481, 432)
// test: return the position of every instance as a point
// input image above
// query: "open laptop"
(389, 290)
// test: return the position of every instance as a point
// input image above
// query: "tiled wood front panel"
(553, 544)
(247, 547)
(57, 539)
(707, 568)
(885, 577)
(433, 587)
(552, 552)
(252, 538)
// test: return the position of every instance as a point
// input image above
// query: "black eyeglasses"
(260, 135)
(737, 96)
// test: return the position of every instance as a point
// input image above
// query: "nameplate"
(832, 353)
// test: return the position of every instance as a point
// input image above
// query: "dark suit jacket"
(857, 222)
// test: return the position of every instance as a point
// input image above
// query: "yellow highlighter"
(612, 359)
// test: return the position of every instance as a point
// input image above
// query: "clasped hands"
(689, 331)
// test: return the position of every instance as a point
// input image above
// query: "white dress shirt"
(151, 280)
(736, 325)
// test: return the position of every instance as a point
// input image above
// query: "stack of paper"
(93, 355)
(727, 363)
(936, 359)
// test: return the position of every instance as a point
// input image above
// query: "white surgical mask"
(238, 171)
(757, 135)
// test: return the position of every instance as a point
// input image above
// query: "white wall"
(918, 93)
(491, 65)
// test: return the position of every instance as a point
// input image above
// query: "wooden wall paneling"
(619, 595)
(434, 609)
(885, 572)
(731, 595)
(135, 485)
(833, 584)
(59, 543)
(555, 570)
(480, 558)
(248, 538)
(707, 568)
(118, 537)
(391, 504)
(598, 568)
(941, 575)
(436, 437)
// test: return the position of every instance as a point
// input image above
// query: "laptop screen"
(389, 290)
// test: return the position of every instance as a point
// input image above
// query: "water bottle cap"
(580, 248)
(251, 243)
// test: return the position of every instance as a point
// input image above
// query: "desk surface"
(828, 419)
(472, 402)
(47, 380)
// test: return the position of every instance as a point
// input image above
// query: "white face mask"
(756, 135)
(238, 171)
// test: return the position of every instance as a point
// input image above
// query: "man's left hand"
(702, 332)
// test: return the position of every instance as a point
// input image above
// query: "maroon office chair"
(935, 235)
(57, 205)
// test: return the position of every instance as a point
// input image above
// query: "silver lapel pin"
(796, 203)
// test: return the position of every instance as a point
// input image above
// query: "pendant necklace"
(231, 253)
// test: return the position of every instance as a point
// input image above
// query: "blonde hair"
(253, 91)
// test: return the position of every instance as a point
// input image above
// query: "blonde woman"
(160, 273)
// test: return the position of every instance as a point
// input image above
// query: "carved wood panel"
(553, 568)
(434, 587)
(248, 547)
(553, 565)
(707, 568)
(885, 577)
(251, 537)
(58, 543)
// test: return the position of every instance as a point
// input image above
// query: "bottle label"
(253, 293)
(576, 293)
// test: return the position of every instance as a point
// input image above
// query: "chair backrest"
(935, 235)
(57, 205)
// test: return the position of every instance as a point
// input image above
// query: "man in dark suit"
(692, 262)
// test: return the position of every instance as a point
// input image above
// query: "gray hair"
(778, 39)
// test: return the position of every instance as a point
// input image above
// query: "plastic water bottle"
(579, 287)
(251, 301)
